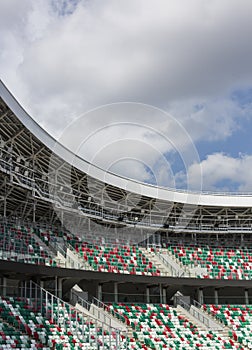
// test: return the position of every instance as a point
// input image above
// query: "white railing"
(102, 306)
(175, 272)
(98, 309)
(195, 313)
(24, 258)
(68, 317)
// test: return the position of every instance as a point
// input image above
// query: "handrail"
(22, 257)
(198, 315)
(175, 272)
(82, 264)
(199, 306)
(39, 296)
(84, 303)
(102, 305)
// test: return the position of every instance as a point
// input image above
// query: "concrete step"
(223, 333)
(164, 270)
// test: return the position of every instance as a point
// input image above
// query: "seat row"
(17, 243)
(221, 263)
(117, 259)
(71, 331)
(238, 318)
(159, 326)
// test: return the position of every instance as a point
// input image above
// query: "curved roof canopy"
(125, 184)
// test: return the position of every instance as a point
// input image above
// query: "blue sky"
(187, 64)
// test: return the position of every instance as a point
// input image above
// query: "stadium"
(92, 260)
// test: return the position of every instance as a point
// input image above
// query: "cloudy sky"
(160, 91)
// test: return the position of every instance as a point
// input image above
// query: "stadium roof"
(129, 185)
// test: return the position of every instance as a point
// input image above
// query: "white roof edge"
(166, 194)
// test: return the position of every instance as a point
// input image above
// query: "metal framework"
(41, 181)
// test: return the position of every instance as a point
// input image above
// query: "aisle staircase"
(165, 269)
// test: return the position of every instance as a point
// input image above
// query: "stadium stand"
(220, 262)
(18, 243)
(237, 317)
(47, 322)
(117, 259)
(159, 326)
(63, 226)
(10, 338)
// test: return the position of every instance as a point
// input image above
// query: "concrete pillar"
(116, 292)
(99, 292)
(41, 283)
(4, 283)
(56, 285)
(148, 295)
(200, 296)
(160, 293)
(164, 296)
(246, 296)
(60, 280)
(216, 296)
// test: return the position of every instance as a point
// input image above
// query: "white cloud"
(61, 58)
(144, 51)
(113, 135)
(221, 172)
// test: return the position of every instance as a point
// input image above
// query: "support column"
(4, 282)
(164, 296)
(246, 297)
(56, 285)
(60, 280)
(99, 292)
(34, 212)
(216, 296)
(148, 295)
(5, 200)
(116, 292)
(160, 293)
(41, 284)
(200, 296)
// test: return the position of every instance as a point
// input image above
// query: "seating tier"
(238, 318)
(117, 259)
(159, 326)
(220, 262)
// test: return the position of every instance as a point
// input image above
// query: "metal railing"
(25, 258)
(195, 313)
(82, 264)
(67, 316)
(174, 272)
(76, 299)
(154, 221)
(100, 311)
(101, 305)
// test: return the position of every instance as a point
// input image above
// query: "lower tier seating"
(221, 263)
(238, 318)
(10, 338)
(159, 326)
(43, 332)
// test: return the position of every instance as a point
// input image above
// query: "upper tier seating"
(159, 326)
(221, 263)
(238, 318)
(43, 332)
(117, 259)
(48, 235)
(17, 243)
